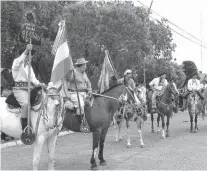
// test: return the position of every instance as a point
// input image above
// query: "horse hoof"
(103, 163)
(142, 146)
(120, 139)
(167, 135)
(163, 137)
(191, 131)
(129, 146)
(152, 131)
(94, 167)
(196, 130)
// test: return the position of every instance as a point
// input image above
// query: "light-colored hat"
(81, 61)
(128, 71)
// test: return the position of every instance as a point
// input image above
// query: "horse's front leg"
(101, 147)
(51, 143)
(168, 123)
(196, 125)
(163, 126)
(158, 123)
(128, 124)
(37, 151)
(191, 123)
(152, 119)
(140, 124)
(96, 138)
(118, 136)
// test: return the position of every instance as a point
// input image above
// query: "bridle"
(172, 93)
(58, 109)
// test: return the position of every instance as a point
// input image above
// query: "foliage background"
(125, 30)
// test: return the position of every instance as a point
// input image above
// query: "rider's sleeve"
(133, 85)
(18, 61)
(33, 78)
(88, 83)
(152, 82)
(199, 86)
(190, 85)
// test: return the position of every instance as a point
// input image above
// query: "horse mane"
(114, 86)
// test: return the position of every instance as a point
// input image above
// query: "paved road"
(183, 150)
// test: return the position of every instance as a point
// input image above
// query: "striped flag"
(106, 73)
(63, 62)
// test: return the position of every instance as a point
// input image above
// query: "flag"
(63, 62)
(106, 73)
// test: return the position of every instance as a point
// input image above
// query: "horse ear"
(58, 90)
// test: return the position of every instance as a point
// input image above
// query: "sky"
(187, 15)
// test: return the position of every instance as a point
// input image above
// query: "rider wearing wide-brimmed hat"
(157, 85)
(193, 85)
(83, 85)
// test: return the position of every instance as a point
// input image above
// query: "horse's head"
(172, 88)
(53, 106)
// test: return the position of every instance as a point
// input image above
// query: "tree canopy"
(125, 30)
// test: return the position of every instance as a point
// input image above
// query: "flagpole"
(106, 51)
(29, 83)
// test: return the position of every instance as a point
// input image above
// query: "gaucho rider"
(157, 85)
(127, 79)
(193, 85)
(83, 85)
(20, 70)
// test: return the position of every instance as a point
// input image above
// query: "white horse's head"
(53, 106)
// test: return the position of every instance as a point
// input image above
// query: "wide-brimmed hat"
(81, 61)
(128, 71)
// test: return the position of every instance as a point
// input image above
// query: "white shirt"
(156, 83)
(194, 84)
(20, 72)
(203, 85)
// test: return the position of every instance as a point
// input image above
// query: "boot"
(24, 123)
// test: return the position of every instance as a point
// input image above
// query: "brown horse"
(99, 116)
(165, 107)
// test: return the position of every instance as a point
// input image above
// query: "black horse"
(99, 116)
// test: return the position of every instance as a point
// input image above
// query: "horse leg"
(139, 127)
(128, 134)
(168, 122)
(152, 119)
(118, 137)
(191, 123)
(51, 144)
(101, 147)
(96, 138)
(196, 119)
(158, 123)
(37, 151)
(163, 126)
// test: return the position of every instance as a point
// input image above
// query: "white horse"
(48, 112)
(137, 116)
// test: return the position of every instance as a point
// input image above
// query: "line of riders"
(20, 91)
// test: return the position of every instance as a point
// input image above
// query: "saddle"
(34, 98)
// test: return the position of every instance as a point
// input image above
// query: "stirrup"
(27, 136)
(84, 127)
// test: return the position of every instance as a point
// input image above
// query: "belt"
(22, 84)
(83, 90)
